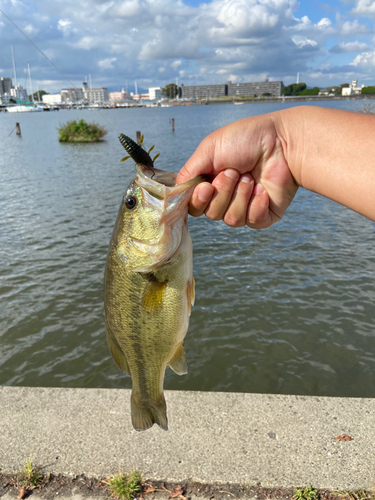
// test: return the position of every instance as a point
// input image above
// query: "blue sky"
(157, 41)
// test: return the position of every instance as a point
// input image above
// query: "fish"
(149, 284)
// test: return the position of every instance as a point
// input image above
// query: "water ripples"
(283, 310)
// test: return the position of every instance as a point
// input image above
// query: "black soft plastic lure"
(136, 152)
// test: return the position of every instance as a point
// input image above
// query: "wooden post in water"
(18, 129)
(138, 136)
(172, 124)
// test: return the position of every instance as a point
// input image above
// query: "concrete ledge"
(272, 440)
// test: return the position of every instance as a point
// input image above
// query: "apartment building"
(5, 85)
(255, 89)
(97, 95)
(202, 91)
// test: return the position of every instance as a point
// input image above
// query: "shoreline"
(259, 440)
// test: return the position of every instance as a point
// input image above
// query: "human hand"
(252, 184)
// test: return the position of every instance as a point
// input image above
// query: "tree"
(170, 91)
(368, 90)
(314, 91)
(35, 96)
(293, 89)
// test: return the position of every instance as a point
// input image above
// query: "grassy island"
(81, 131)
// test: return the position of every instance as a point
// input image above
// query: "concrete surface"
(272, 440)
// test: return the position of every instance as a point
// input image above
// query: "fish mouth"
(162, 184)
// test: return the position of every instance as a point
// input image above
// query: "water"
(287, 310)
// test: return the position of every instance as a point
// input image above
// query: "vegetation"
(293, 89)
(314, 91)
(170, 91)
(30, 477)
(308, 493)
(368, 90)
(368, 109)
(124, 486)
(35, 95)
(81, 131)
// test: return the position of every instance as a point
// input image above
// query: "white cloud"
(176, 64)
(107, 63)
(324, 23)
(30, 30)
(346, 47)
(354, 28)
(63, 25)
(302, 42)
(365, 60)
(364, 8)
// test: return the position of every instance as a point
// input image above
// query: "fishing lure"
(137, 153)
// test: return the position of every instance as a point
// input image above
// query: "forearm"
(332, 153)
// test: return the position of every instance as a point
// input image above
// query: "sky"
(155, 42)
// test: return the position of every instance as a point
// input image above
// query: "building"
(51, 98)
(352, 89)
(5, 85)
(255, 89)
(97, 95)
(202, 91)
(155, 93)
(140, 97)
(71, 95)
(4, 99)
(119, 96)
(19, 93)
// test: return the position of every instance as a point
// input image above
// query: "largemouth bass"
(149, 285)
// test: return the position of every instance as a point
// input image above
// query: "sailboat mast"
(31, 87)
(14, 69)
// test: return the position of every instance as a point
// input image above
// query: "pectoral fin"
(117, 354)
(152, 299)
(178, 362)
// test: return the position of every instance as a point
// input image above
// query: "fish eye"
(131, 202)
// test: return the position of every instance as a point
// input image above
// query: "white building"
(97, 95)
(155, 93)
(352, 89)
(51, 98)
(19, 93)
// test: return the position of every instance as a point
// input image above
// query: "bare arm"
(258, 164)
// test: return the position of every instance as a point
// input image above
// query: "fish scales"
(149, 288)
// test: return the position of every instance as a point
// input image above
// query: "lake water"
(287, 310)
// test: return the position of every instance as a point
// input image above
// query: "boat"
(23, 108)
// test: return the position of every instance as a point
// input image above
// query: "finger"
(200, 198)
(236, 213)
(224, 184)
(259, 215)
(201, 161)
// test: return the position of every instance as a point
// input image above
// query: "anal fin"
(178, 362)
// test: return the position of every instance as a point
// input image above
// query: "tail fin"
(144, 417)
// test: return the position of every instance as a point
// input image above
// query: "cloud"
(364, 8)
(345, 47)
(303, 42)
(365, 60)
(107, 63)
(154, 41)
(354, 28)
(30, 30)
(64, 25)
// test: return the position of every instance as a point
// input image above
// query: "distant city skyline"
(153, 42)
